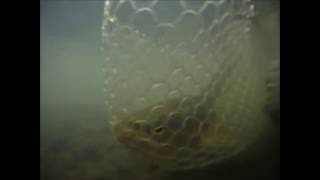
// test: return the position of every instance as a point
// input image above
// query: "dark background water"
(73, 117)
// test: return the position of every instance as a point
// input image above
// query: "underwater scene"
(160, 89)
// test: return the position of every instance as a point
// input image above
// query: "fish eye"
(159, 129)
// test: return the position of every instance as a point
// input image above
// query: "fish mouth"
(138, 143)
(129, 137)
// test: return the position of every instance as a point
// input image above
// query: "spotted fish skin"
(182, 85)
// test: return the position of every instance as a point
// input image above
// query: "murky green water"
(76, 142)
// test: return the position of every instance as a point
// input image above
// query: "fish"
(183, 87)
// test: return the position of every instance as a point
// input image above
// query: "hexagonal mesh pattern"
(181, 84)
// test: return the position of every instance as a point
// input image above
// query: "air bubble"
(141, 99)
(187, 78)
(155, 86)
(162, 50)
(114, 70)
(246, 30)
(115, 45)
(112, 95)
(107, 59)
(125, 110)
(124, 84)
(174, 94)
(252, 7)
(176, 71)
(200, 66)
